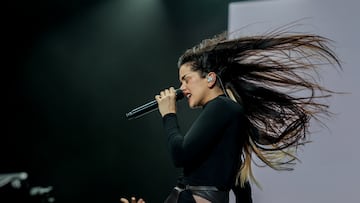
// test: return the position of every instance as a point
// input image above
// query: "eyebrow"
(184, 76)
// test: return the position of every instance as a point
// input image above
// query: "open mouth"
(188, 95)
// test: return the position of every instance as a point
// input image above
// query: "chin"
(193, 105)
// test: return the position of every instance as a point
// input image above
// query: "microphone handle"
(149, 107)
(142, 110)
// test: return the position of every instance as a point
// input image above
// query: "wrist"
(168, 112)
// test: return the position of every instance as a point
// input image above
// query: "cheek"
(196, 84)
(193, 89)
(196, 93)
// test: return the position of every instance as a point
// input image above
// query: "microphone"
(149, 107)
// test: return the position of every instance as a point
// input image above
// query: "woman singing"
(257, 96)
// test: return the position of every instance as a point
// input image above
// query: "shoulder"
(222, 103)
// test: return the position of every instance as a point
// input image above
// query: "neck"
(213, 93)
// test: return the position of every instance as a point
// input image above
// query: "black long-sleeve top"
(209, 151)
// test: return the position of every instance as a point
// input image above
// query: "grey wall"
(329, 171)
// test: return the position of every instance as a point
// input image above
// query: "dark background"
(70, 72)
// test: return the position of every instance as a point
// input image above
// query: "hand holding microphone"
(166, 101)
(164, 97)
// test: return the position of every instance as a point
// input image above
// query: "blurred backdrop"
(70, 72)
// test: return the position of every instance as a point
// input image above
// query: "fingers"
(123, 200)
(133, 200)
(166, 92)
(163, 93)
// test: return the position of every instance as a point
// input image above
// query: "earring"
(209, 79)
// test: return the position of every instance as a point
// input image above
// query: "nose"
(182, 86)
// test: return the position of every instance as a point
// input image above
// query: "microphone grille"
(179, 94)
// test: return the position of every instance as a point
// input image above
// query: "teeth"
(188, 96)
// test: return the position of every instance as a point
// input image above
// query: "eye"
(186, 79)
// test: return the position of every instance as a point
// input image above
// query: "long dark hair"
(274, 77)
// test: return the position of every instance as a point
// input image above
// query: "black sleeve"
(202, 136)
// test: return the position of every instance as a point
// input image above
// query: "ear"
(211, 79)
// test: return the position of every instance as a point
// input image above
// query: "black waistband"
(200, 187)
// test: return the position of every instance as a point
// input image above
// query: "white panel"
(330, 166)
